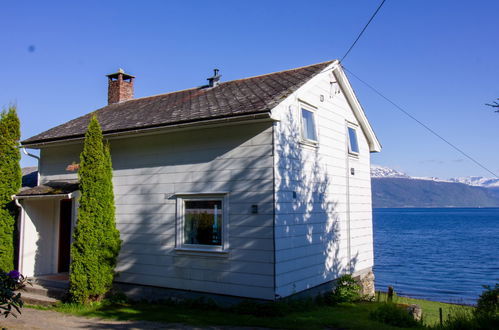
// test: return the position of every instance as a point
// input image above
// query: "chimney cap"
(215, 80)
(120, 72)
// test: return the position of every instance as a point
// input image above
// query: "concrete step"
(51, 283)
(44, 291)
(35, 299)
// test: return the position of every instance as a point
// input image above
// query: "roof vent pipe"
(215, 80)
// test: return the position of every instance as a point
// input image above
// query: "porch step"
(44, 291)
(36, 299)
(48, 283)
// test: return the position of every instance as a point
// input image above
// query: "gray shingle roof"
(30, 177)
(229, 99)
(51, 188)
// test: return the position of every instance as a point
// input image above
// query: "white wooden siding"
(149, 169)
(39, 236)
(311, 230)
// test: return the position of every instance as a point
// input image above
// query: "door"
(64, 236)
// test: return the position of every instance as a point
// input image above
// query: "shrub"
(484, 317)
(96, 242)
(346, 290)
(9, 299)
(395, 315)
(461, 319)
(10, 182)
(488, 302)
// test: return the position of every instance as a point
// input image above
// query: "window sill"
(309, 144)
(202, 252)
(354, 156)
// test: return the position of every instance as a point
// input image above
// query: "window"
(309, 132)
(353, 145)
(201, 222)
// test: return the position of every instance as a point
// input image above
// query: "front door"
(64, 235)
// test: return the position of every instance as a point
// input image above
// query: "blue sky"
(437, 59)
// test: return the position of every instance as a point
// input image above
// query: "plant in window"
(202, 222)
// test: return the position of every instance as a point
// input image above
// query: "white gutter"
(60, 196)
(21, 236)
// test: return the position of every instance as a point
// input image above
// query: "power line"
(399, 107)
(421, 123)
(362, 32)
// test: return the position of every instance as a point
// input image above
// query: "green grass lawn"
(296, 316)
(430, 308)
(345, 316)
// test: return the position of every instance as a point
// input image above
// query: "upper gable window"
(308, 127)
(353, 144)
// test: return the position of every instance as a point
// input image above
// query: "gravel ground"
(40, 319)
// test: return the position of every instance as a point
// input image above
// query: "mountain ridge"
(392, 188)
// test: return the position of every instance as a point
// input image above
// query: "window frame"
(180, 222)
(313, 110)
(351, 152)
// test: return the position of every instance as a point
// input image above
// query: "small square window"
(308, 128)
(353, 145)
(201, 222)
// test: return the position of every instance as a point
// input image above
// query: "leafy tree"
(10, 182)
(96, 242)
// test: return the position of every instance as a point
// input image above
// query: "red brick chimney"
(120, 87)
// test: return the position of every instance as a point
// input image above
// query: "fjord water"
(440, 254)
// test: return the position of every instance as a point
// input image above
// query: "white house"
(255, 188)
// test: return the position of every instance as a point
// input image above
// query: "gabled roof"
(229, 99)
(372, 140)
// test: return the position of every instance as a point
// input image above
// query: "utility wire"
(399, 107)
(362, 32)
(421, 123)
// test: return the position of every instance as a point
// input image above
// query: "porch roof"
(51, 188)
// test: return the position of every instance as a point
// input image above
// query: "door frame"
(74, 205)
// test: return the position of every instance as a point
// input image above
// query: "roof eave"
(374, 144)
(70, 195)
(227, 120)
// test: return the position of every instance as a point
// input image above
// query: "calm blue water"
(436, 254)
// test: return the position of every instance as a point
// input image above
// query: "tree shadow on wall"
(310, 248)
(146, 210)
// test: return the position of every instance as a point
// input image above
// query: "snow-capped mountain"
(477, 181)
(392, 188)
(385, 172)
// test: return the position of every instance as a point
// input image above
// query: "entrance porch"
(46, 223)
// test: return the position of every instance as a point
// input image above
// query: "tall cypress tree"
(96, 241)
(10, 182)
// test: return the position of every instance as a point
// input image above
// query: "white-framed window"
(308, 124)
(202, 221)
(353, 143)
